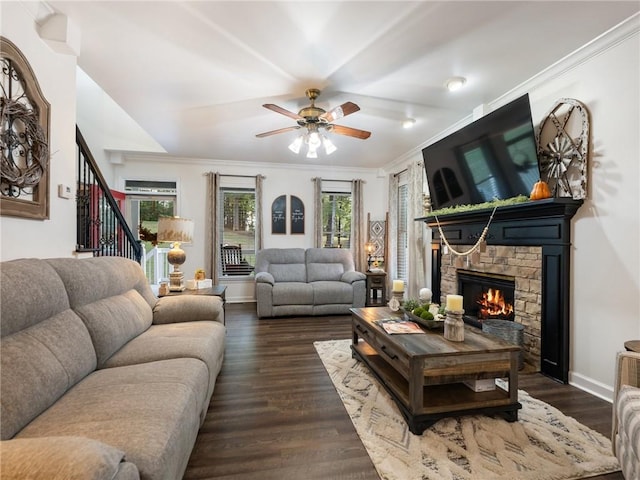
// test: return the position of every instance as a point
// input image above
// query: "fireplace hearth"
(541, 304)
(486, 296)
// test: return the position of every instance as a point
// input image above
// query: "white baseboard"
(241, 300)
(591, 386)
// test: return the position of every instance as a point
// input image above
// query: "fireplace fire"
(486, 296)
(493, 305)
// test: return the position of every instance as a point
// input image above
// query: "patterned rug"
(543, 444)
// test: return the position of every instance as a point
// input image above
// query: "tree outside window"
(336, 220)
(239, 220)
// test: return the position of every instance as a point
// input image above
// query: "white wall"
(55, 73)
(605, 308)
(280, 180)
(605, 277)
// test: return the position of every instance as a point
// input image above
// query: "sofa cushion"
(284, 264)
(39, 364)
(324, 271)
(201, 340)
(62, 458)
(32, 291)
(188, 308)
(289, 272)
(92, 279)
(113, 321)
(149, 411)
(292, 293)
(332, 292)
(328, 263)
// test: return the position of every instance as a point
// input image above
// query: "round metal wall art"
(563, 147)
(24, 148)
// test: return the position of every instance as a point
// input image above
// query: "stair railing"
(101, 227)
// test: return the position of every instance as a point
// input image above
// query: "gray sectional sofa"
(313, 281)
(99, 378)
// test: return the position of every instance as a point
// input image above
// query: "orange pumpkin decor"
(540, 190)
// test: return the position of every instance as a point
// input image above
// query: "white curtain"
(357, 226)
(415, 232)
(392, 229)
(211, 225)
(317, 212)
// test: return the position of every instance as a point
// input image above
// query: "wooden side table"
(376, 281)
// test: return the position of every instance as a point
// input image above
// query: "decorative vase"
(454, 325)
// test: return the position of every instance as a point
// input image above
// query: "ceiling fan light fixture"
(296, 144)
(328, 145)
(312, 152)
(314, 139)
(335, 114)
(455, 83)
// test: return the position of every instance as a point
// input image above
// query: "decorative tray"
(437, 322)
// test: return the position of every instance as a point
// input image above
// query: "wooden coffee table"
(424, 373)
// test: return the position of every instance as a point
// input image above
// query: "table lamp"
(177, 231)
(369, 248)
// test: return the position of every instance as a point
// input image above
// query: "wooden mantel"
(544, 223)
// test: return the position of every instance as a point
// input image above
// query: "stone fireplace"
(529, 242)
(505, 283)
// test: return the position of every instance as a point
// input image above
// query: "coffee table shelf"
(424, 373)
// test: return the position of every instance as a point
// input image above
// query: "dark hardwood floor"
(276, 415)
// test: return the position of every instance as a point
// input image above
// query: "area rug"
(543, 444)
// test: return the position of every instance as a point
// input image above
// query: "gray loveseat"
(99, 378)
(313, 281)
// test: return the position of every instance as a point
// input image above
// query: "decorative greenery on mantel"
(480, 206)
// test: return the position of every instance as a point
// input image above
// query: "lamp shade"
(175, 229)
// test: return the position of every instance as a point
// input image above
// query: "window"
(336, 219)
(238, 221)
(146, 202)
(402, 252)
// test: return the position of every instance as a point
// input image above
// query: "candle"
(454, 303)
(398, 286)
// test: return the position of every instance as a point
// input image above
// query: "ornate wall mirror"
(24, 138)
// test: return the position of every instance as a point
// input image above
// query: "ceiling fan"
(315, 118)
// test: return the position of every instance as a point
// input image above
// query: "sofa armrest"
(627, 373)
(62, 458)
(188, 308)
(353, 276)
(265, 277)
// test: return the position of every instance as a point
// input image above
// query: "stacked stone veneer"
(524, 264)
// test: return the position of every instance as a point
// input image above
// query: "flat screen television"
(495, 157)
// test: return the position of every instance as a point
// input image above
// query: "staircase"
(101, 227)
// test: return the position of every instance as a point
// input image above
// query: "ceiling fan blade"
(277, 109)
(340, 111)
(280, 130)
(350, 132)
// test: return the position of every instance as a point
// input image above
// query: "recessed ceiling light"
(455, 83)
(408, 122)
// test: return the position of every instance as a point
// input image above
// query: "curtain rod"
(329, 180)
(238, 176)
(242, 176)
(406, 169)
